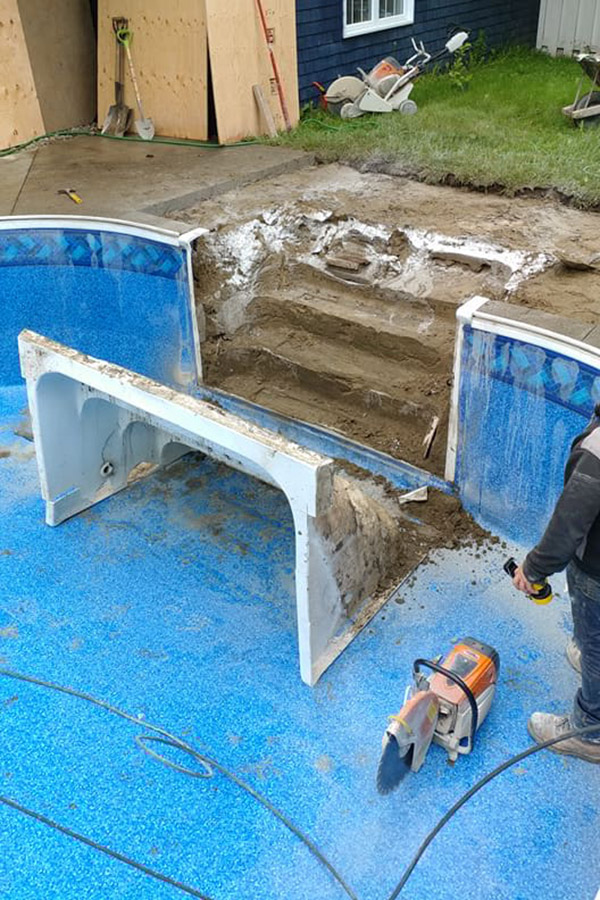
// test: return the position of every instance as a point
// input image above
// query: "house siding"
(323, 53)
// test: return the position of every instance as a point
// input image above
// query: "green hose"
(87, 132)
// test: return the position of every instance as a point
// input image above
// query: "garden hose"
(208, 765)
(88, 132)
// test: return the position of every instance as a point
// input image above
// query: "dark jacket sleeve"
(575, 512)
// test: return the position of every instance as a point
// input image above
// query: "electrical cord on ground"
(169, 740)
(38, 817)
(209, 764)
(477, 787)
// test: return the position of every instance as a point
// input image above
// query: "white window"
(362, 16)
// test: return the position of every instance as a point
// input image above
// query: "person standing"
(572, 541)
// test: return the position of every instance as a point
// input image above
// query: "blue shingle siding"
(323, 53)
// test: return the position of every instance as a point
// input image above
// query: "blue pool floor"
(174, 601)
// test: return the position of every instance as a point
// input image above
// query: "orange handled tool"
(269, 40)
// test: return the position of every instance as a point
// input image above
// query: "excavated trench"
(345, 323)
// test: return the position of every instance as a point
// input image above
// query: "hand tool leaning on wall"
(118, 118)
(143, 125)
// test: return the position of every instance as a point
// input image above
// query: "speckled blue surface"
(174, 600)
(520, 409)
(118, 297)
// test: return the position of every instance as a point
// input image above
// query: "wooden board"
(170, 58)
(239, 60)
(20, 115)
(47, 68)
(62, 53)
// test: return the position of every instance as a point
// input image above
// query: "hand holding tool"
(542, 590)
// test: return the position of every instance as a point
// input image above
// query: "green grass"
(504, 131)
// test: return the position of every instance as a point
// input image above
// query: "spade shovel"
(143, 126)
(118, 118)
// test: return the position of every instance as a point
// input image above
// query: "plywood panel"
(170, 57)
(239, 60)
(20, 116)
(62, 51)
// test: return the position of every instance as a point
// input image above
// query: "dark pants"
(584, 592)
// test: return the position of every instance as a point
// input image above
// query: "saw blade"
(394, 764)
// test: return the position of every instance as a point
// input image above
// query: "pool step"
(365, 396)
(370, 362)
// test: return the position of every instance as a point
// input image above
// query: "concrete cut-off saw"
(446, 707)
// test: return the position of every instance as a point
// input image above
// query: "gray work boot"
(545, 726)
(573, 654)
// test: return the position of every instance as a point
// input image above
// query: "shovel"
(143, 126)
(118, 118)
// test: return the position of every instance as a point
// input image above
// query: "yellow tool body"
(542, 591)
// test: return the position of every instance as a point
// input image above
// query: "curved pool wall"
(115, 290)
(525, 384)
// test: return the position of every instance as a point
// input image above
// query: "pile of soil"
(338, 306)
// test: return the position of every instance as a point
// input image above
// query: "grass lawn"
(504, 131)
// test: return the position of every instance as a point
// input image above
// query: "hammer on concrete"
(72, 194)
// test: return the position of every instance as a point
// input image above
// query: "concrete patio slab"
(140, 182)
(13, 173)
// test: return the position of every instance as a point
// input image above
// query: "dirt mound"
(348, 324)
(330, 295)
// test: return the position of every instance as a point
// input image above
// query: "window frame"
(378, 24)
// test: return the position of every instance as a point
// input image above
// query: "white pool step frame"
(94, 422)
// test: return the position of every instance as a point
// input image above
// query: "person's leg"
(585, 603)
(572, 649)
(573, 654)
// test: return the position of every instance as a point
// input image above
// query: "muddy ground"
(330, 295)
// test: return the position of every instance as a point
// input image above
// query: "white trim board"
(375, 23)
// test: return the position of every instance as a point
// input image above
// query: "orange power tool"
(446, 707)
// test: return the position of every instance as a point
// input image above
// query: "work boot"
(545, 726)
(573, 654)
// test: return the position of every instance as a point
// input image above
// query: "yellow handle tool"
(542, 589)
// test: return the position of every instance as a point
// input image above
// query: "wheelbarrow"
(586, 107)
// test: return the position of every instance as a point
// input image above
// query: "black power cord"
(170, 740)
(95, 846)
(208, 764)
(474, 790)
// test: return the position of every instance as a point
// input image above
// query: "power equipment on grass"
(387, 87)
(586, 106)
